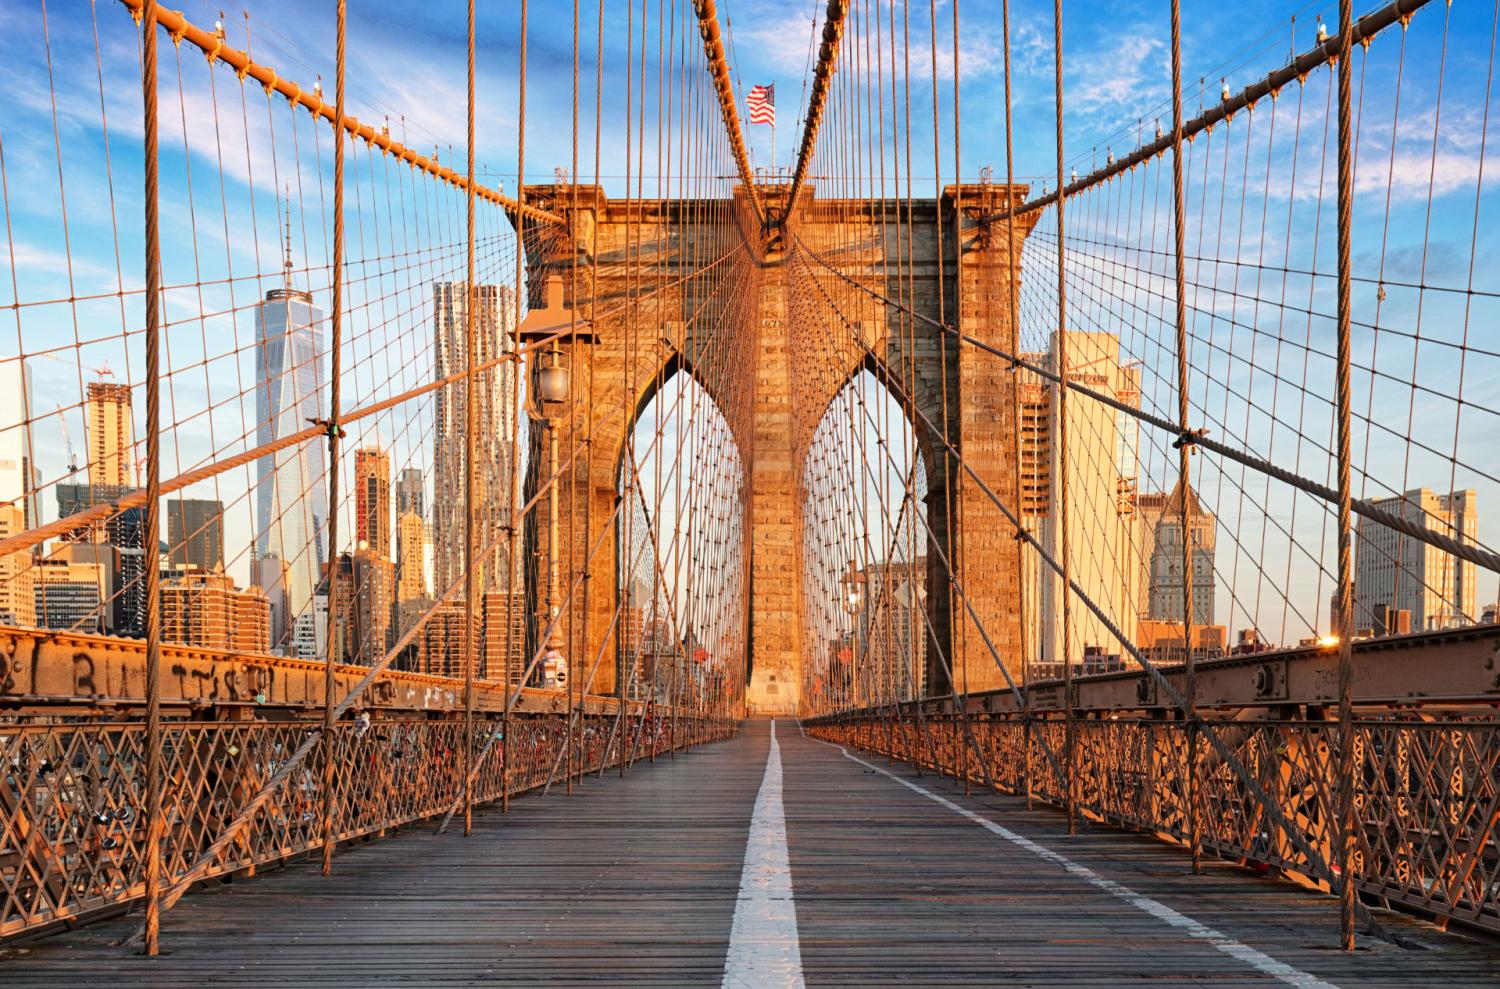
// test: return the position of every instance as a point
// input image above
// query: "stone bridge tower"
(645, 249)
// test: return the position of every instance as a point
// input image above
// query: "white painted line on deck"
(763, 946)
(1251, 956)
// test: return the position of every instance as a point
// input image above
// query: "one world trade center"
(291, 494)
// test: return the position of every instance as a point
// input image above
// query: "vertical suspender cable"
(474, 617)
(1070, 788)
(588, 499)
(331, 639)
(573, 639)
(1345, 831)
(512, 692)
(153, 491)
(961, 554)
(1184, 448)
(1012, 264)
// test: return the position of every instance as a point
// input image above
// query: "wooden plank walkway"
(634, 882)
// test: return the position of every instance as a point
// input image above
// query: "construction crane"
(67, 441)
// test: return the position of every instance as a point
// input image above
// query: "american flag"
(762, 103)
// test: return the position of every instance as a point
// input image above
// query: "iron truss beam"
(48, 671)
(1459, 667)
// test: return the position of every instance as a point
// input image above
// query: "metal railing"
(72, 835)
(1427, 792)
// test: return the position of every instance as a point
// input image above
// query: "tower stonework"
(953, 394)
(775, 509)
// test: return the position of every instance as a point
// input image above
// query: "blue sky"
(410, 71)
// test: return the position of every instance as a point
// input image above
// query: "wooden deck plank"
(629, 880)
(633, 882)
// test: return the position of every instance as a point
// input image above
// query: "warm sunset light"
(478, 506)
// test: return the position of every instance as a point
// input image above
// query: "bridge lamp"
(553, 379)
(544, 329)
(852, 592)
(852, 586)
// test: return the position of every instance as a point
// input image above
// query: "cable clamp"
(331, 429)
(1189, 438)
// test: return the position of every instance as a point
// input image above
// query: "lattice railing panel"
(1427, 793)
(71, 841)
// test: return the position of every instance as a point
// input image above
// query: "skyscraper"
(1405, 574)
(892, 631)
(69, 594)
(411, 574)
(309, 634)
(445, 641)
(127, 535)
(17, 465)
(502, 641)
(110, 434)
(1159, 522)
(291, 494)
(409, 488)
(17, 604)
(1100, 467)
(372, 500)
(269, 574)
(208, 611)
(365, 582)
(118, 547)
(495, 394)
(195, 533)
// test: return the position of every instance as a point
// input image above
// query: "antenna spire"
(286, 265)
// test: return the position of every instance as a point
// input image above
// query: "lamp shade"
(852, 585)
(554, 321)
(552, 383)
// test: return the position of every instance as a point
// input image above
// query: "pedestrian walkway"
(729, 865)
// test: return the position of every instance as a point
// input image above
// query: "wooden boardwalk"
(636, 881)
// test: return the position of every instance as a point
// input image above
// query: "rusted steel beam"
(1426, 669)
(213, 47)
(1364, 29)
(44, 670)
(718, 67)
(828, 56)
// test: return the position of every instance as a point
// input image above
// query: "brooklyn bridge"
(473, 512)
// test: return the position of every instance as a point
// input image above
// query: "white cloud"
(30, 257)
(1120, 79)
(1412, 173)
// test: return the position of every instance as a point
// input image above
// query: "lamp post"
(852, 593)
(911, 597)
(549, 394)
(550, 387)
